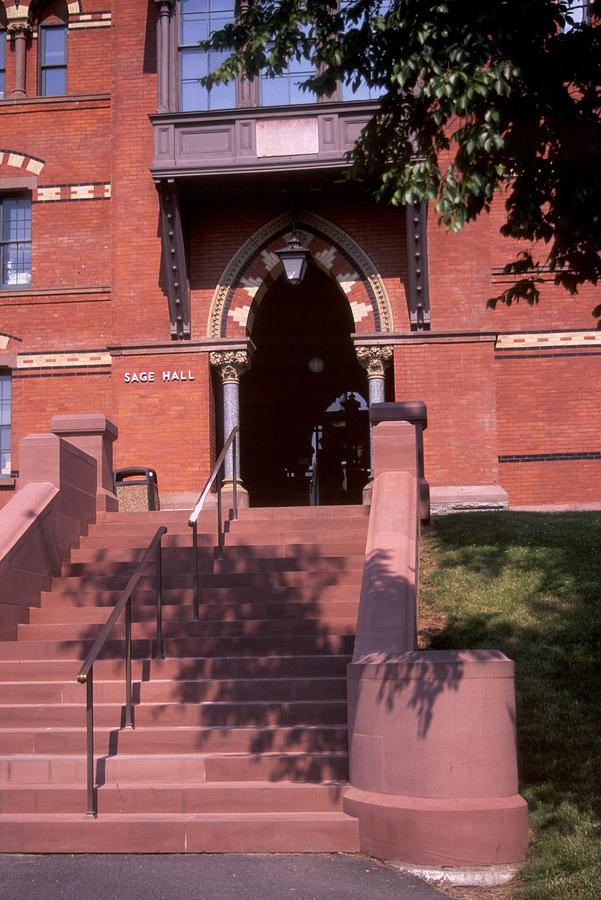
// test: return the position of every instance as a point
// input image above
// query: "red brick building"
(141, 219)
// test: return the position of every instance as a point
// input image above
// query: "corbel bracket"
(174, 261)
(417, 265)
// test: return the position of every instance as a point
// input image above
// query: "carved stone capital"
(230, 363)
(19, 28)
(374, 359)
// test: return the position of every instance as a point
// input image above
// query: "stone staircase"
(240, 740)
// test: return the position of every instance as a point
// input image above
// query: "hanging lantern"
(294, 259)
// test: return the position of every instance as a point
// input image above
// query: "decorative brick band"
(546, 339)
(22, 161)
(549, 457)
(74, 359)
(55, 193)
(90, 20)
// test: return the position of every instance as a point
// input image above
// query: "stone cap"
(83, 424)
(442, 665)
(414, 411)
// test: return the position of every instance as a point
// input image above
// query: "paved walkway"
(206, 877)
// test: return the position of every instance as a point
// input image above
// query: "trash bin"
(136, 489)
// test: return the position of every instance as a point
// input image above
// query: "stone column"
(374, 359)
(19, 32)
(164, 54)
(230, 364)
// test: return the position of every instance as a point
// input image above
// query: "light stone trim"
(16, 160)
(374, 359)
(360, 311)
(548, 339)
(326, 257)
(251, 285)
(48, 194)
(251, 248)
(271, 260)
(97, 23)
(4, 339)
(240, 315)
(230, 363)
(347, 281)
(62, 360)
(82, 192)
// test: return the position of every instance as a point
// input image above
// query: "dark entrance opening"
(304, 398)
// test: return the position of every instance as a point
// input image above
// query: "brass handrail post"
(92, 809)
(219, 521)
(129, 720)
(214, 477)
(85, 674)
(235, 469)
(160, 651)
(196, 599)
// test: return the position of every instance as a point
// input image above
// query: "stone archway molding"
(358, 260)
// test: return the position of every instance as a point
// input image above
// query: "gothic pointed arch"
(255, 267)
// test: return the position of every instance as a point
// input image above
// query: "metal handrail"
(86, 673)
(232, 441)
(314, 483)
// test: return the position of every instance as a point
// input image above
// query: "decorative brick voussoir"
(19, 160)
(257, 266)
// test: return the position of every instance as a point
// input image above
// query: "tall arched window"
(5, 422)
(52, 49)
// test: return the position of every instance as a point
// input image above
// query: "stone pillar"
(19, 31)
(374, 359)
(94, 434)
(164, 55)
(230, 364)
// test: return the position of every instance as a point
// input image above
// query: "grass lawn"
(529, 584)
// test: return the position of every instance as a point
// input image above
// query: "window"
(5, 423)
(197, 20)
(2, 63)
(283, 90)
(15, 241)
(579, 13)
(362, 91)
(53, 60)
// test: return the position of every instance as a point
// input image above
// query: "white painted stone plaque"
(287, 137)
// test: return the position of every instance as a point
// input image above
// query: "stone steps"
(240, 738)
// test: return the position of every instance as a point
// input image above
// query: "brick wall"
(97, 283)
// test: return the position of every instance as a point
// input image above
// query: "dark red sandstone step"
(187, 833)
(183, 767)
(189, 667)
(166, 690)
(188, 629)
(64, 733)
(328, 612)
(236, 797)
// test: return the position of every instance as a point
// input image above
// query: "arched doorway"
(304, 397)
